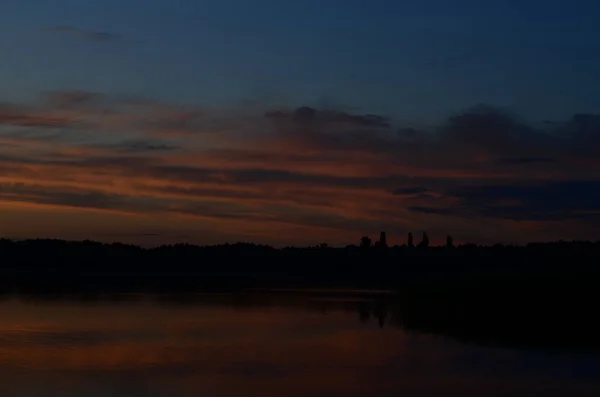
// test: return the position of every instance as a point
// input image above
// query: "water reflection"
(232, 345)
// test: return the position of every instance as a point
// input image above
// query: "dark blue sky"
(415, 60)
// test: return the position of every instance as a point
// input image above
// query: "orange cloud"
(306, 173)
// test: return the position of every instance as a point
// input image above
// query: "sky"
(296, 123)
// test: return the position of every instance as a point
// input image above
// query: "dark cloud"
(409, 191)
(160, 234)
(486, 124)
(36, 133)
(306, 114)
(434, 210)
(70, 99)
(96, 111)
(541, 201)
(140, 146)
(284, 215)
(504, 137)
(584, 124)
(200, 207)
(333, 131)
(89, 35)
(99, 200)
(173, 121)
(66, 196)
(489, 139)
(261, 176)
(480, 134)
(579, 137)
(202, 192)
(526, 160)
(16, 116)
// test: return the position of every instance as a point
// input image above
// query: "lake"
(221, 345)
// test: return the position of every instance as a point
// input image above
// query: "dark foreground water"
(223, 345)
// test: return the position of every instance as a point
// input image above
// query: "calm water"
(226, 346)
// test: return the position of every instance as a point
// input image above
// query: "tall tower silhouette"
(410, 240)
(382, 240)
(449, 241)
(424, 241)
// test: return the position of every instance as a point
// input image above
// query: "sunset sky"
(155, 121)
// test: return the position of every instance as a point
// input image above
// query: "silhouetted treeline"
(47, 264)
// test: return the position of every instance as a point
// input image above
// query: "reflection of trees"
(525, 317)
(378, 311)
(518, 321)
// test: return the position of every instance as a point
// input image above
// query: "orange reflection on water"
(158, 350)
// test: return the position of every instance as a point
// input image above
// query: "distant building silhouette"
(365, 242)
(382, 243)
(449, 241)
(424, 241)
(411, 243)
